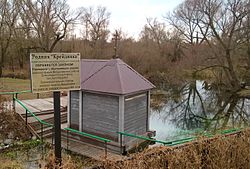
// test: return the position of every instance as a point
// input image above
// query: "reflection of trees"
(195, 106)
(222, 27)
(186, 108)
(229, 110)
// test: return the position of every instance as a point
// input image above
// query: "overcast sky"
(130, 15)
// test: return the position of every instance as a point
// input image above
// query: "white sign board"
(55, 71)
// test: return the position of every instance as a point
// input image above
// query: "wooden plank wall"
(135, 115)
(100, 115)
(74, 109)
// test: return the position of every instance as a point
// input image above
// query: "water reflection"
(198, 105)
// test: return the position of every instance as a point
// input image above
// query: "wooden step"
(48, 130)
(37, 125)
(42, 113)
(47, 118)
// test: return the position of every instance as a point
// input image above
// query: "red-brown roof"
(111, 76)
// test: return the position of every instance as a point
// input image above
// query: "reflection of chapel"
(113, 98)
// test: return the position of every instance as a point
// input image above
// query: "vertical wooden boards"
(100, 115)
(74, 109)
(135, 115)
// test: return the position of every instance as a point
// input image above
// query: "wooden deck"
(89, 150)
(43, 108)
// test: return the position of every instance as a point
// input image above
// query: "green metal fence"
(44, 123)
(180, 141)
(106, 141)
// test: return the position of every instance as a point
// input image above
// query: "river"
(194, 107)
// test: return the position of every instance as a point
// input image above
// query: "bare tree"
(155, 31)
(219, 23)
(50, 20)
(225, 22)
(185, 19)
(9, 11)
(222, 27)
(96, 22)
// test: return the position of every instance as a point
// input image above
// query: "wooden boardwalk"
(43, 109)
(41, 106)
(89, 150)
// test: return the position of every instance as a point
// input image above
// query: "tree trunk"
(234, 80)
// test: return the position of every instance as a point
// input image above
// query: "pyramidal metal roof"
(111, 76)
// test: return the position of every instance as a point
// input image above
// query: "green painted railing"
(69, 129)
(230, 131)
(88, 135)
(37, 118)
(143, 138)
(183, 140)
(51, 125)
(168, 143)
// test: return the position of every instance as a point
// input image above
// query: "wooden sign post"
(55, 72)
(57, 126)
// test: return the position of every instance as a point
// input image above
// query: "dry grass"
(68, 162)
(9, 164)
(11, 123)
(232, 152)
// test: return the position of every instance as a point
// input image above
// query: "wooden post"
(52, 138)
(42, 131)
(121, 149)
(67, 139)
(14, 106)
(26, 118)
(57, 124)
(105, 149)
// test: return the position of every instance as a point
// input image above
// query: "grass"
(7, 163)
(72, 161)
(12, 84)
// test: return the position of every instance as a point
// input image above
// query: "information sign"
(55, 71)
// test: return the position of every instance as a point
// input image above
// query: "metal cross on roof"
(115, 38)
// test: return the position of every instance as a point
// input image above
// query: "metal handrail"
(51, 125)
(88, 135)
(144, 138)
(169, 143)
(37, 118)
(179, 141)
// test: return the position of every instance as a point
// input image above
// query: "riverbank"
(231, 151)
